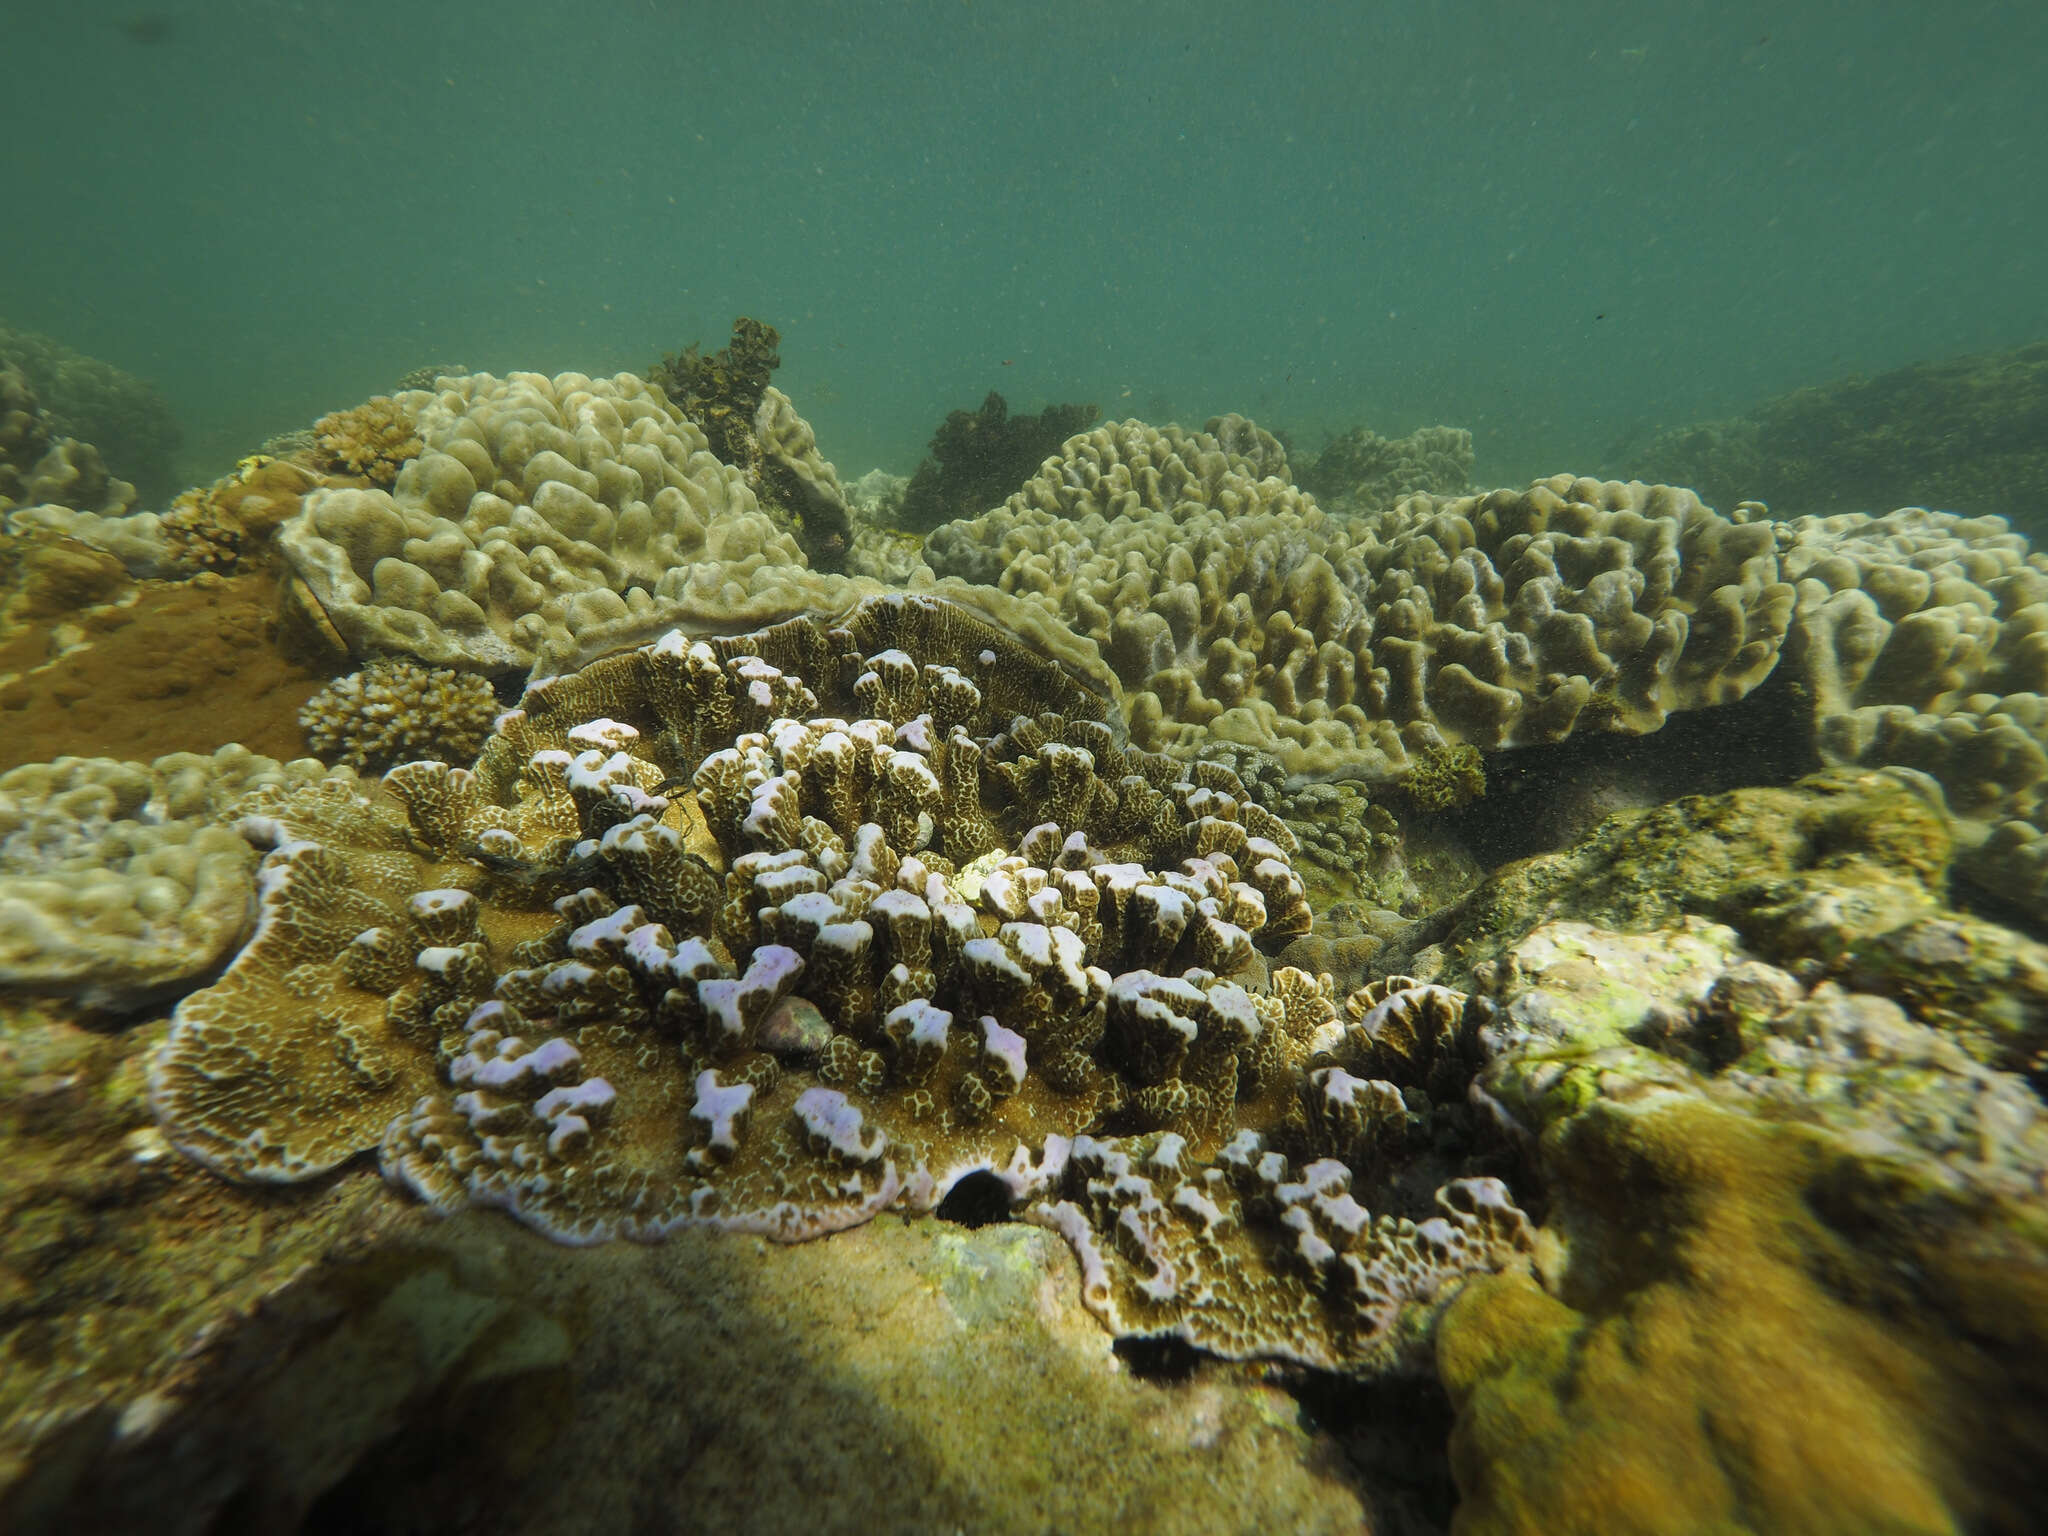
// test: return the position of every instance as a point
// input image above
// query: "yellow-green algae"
(1757, 1332)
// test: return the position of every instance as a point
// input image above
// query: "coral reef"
(179, 1354)
(224, 527)
(1963, 435)
(540, 508)
(1238, 609)
(683, 950)
(40, 466)
(1360, 471)
(397, 711)
(123, 417)
(119, 882)
(1921, 640)
(978, 459)
(373, 440)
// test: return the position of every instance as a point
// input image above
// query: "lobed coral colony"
(783, 931)
(823, 870)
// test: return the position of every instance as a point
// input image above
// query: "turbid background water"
(1553, 223)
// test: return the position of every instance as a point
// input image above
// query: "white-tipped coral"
(687, 946)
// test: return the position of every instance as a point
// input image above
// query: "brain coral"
(1236, 608)
(783, 930)
(539, 506)
(120, 881)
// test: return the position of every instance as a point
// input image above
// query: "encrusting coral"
(396, 711)
(1795, 1273)
(684, 947)
(121, 882)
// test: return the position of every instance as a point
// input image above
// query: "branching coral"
(373, 440)
(396, 711)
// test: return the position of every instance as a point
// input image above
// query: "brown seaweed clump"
(979, 458)
(722, 393)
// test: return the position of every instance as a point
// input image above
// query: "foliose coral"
(683, 947)
(397, 711)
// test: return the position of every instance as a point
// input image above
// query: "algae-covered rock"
(1844, 875)
(1757, 1331)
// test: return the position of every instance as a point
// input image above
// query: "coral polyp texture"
(779, 931)
(121, 882)
(538, 507)
(1922, 641)
(1234, 607)
(396, 711)
(373, 440)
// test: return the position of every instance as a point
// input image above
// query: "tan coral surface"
(539, 506)
(1236, 608)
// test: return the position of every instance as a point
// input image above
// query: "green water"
(1552, 223)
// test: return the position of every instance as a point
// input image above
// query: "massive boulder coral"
(119, 881)
(539, 506)
(1237, 608)
(687, 946)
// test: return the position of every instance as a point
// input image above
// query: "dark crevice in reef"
(978, 1200)
(1543, 799)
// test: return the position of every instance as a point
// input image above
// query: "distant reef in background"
(1968, 435)
(124, 417)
